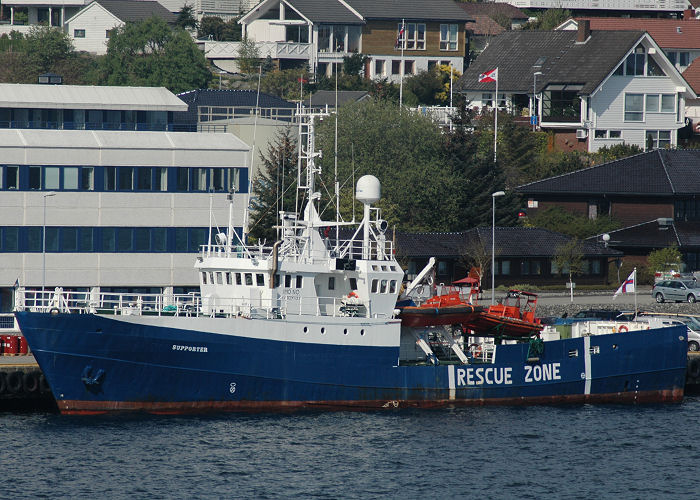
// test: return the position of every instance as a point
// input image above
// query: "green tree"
(420, 191)
(354, 64)
(548, 19)
(248, 56)
(288, 84)
(46, 45)
(185, 18)
(561, 221)
(424, 86)
(665, 259)
(211, 27)
(149, 53)
(615, 152)
(275, 186)
(568, 258)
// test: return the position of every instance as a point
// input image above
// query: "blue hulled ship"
(310, 322)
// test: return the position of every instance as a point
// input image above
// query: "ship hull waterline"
(97, 364)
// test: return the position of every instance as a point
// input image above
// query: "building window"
(600, 134)
(380, 67)
(634, 64)
(409, 67)
(668, 103)
(259, 279)
(615, 134)
(12, 177)
(78, 33)
(331, 282)
(324, 39)
(70, 178)
(634, 107)
(448, 37)
(658, 139)
(51, 177)
(487, 99)
(396, 67)
(108, 33)
(414, 36)
(299, 281)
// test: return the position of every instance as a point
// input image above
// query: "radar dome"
(369, 190)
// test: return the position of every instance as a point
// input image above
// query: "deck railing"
(190, 305)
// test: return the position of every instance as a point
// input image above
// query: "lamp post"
(493, 244)
(43, 245)
(534, 99)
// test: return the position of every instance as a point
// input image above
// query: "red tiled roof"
(692, 75)
(665, 32)
(484, 25)
(493, 9)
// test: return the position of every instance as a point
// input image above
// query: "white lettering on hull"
(492, 375)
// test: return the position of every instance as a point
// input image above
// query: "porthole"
(306, 330)
(345, 331)
(362, 332)
(323, 331)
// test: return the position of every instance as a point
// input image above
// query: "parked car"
(676, 291)
(589, 315)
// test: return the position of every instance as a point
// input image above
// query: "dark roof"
(510, 242)
(410, 10)
(323, 97)
(137, 10)
(226, 98)
(493, 9)
(331, 12)
(515, 53)
(655, 173)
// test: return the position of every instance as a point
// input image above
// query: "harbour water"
(492, 452)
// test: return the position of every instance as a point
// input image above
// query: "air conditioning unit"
(581, 133)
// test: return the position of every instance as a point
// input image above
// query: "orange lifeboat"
(447, 309)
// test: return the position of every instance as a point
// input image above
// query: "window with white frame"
(487, 99)
(634, 107)
(78, 33)
(448, 36)
(664, 103)
(414, 36)
(658, 139)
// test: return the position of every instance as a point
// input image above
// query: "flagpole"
(402, 34)
(495, 119)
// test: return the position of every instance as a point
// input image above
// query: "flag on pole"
(628, 286)
(399, 39)
(489, 76)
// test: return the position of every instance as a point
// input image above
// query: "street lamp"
(493, 244)
(534, 99)
(43, 245)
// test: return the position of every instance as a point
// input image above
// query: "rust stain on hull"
(76, 407)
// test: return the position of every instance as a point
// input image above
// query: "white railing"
(276, 50)
(346, 248)
(190, 305)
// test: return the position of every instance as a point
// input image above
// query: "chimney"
(584, 30)
(688, 14)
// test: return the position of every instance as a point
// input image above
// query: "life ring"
(3, 383)
(54, 310)
(694, 368)
(14, 382)
(30, 382)
(353, 295)
(624, 328)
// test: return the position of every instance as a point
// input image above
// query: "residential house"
(225, 9)
(654, 195)
(21, 15)
(92, 27)
(680, 41)
(663, 7)
(522, 255)
(320, 33)
(589, 88)
(97, 190)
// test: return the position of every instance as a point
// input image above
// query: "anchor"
(92, 382)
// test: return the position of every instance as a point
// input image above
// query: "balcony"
(276, 50)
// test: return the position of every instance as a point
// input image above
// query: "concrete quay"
(22, 385)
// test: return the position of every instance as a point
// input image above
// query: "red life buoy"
(352, 294)
(624, 328)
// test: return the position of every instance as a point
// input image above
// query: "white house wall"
(263, 30)
(608, 107)
(95, 21)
